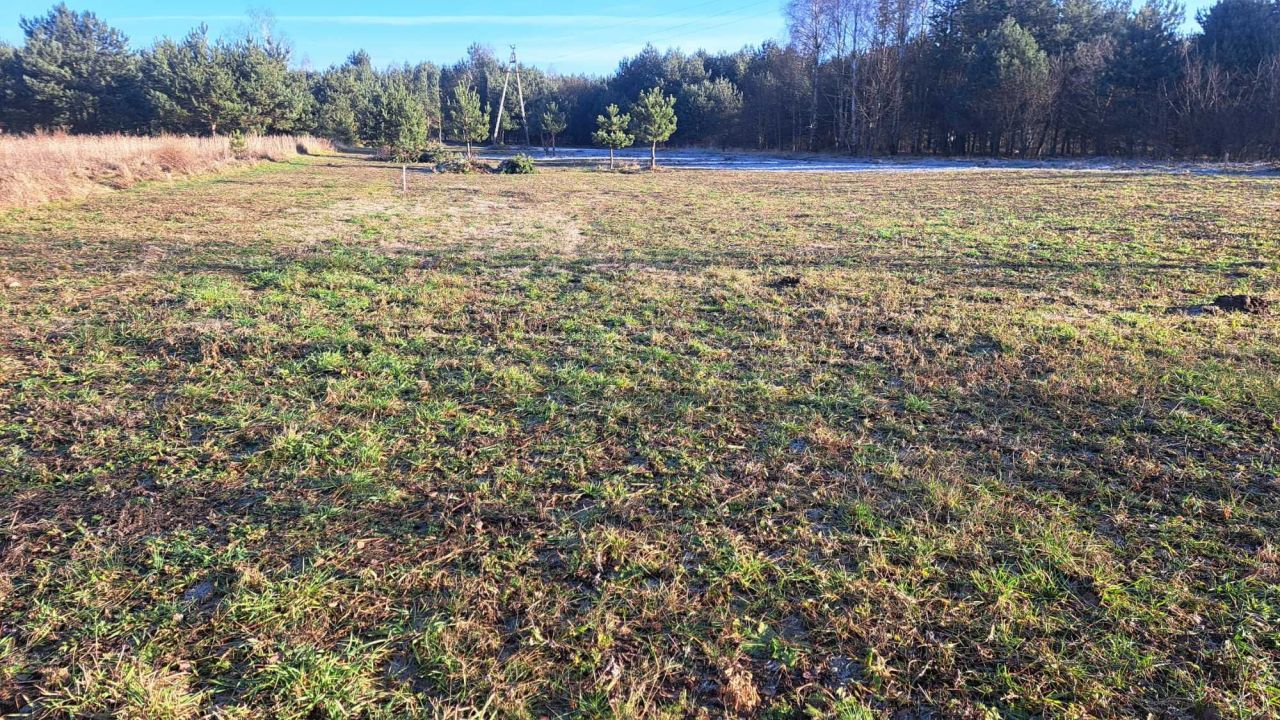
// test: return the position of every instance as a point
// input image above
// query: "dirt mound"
(1250, 304)
(1241, 303)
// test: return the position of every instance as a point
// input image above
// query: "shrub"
(405, 155)
(519, 165)
(238, 145)
(463, 166)
(454, 165)
(437, 153)
(399, 156)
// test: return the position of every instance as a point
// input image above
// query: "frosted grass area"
(698, 159)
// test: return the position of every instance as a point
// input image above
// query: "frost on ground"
(704, 159)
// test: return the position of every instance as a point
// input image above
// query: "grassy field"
(287, 443)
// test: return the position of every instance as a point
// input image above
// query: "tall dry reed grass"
(39, 168)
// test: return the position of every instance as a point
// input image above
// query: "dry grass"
(39, 168)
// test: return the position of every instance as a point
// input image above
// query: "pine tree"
(655, 120)
(12, 102)
(79, 73)
(714, 107)
(1010, 71)
(554, 122)
(272, 98)
(1143, 66)
(1240, 35)
(402, 120)
(466, 117)
(191, 85)
(425, 86)
(344, 96)
(613, 131)
(340, 104)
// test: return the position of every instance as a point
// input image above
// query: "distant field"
(286, 443)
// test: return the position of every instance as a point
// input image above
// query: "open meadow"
(288, 443)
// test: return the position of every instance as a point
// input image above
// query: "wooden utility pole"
(513, 68)
(524, 119)
(502, 99)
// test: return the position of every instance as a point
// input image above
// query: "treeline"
(1003, 77)
(1038, 77)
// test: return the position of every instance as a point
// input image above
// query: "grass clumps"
(132, 689)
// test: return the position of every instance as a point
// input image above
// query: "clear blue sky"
(570, 35)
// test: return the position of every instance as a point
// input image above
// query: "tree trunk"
(854, 140)
(813, 107)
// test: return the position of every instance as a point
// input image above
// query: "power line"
(695, 31)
